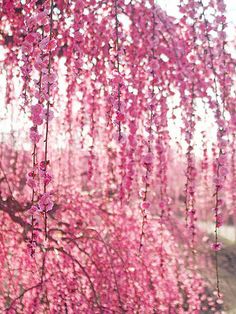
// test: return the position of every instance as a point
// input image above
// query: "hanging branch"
(117, 49)
(148, 158)
(46, 162)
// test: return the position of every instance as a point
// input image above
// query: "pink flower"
(52, 45)
(222, 143)
(162, 204)
(52, 78)
(148, 158)
(42, 165)
(132, 127)
(120, 117)
(37, 119)
(36, 109)
(30, 38)
(40, 64)
(47, 28)
(41, 18)
(34, 136)
(215, 210)
(27, 47)
(145, 205)
(222, 159)
(219, 220)
(33, 209)
(36, 112)
(117, 78)
(31, 182)
(216, 246)
(233, 119)
(45, 202)
(31, 174)
(128, 183)
(120, 137)
(223, 171)
(50, 114)
(43, 44)
(47, 178)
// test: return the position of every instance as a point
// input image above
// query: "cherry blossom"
(120, 145)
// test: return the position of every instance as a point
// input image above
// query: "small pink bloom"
(219, 301)
(47, 178)
(36, 109)
(220, 202)
(117, 78)
(30, 38)
(128, 183)
(31, 174)
(50, 114)
(132, 127)
(36, 112)
(43, 44)
(37, 119)
(41, 18)
(222, 159)
(162, 204)
(233, 119)
(47, 28)
(145, 205)
(223, 171)
(222, 143)
(146, 179)
(216, 246)
(132, 140)
(215, 210)
(52, 78)
(120, 137)
(38, 66)
(33, 209)
(42, 165)
(148, 158)
(45, 202)
(219, 220)
(120, 117)
(34, 136)
(221, 123)
(31, 182)
(52, 45)
(27, 47)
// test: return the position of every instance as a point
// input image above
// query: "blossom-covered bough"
(121, 141)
